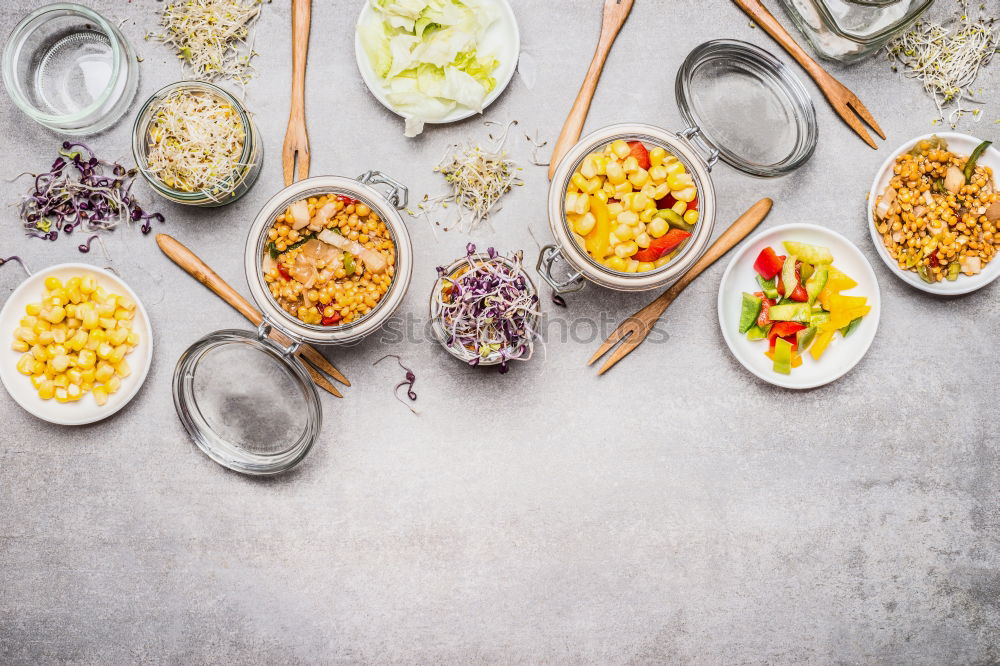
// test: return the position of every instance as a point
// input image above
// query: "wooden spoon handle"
(736, 232)
(201, 272)
(758, 12)
(615, 13)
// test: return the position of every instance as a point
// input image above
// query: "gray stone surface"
(676, 510)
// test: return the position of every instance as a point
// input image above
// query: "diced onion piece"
(970, 265)
(300, 214)
(885, 202)
(373, 261)
(954, 179)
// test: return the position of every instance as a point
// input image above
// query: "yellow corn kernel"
(657, 174)
(620, 149)
(26, 334)
(54, 350)
(60, 363)
(639, 177)
(691, 216)
(639, 202)
(25, 364)
(679, 207)
(118, 336)
(647, 215)
(117, 354)
(616, 174)
(657, 227)
(113, 384)
(61, 394)
(37, 380)
(624, 232)
(100, 293)
(579, 180)
(40, 368)
(74, 295)
(656, 156)
(73, 283)
(54, 314)
(645, 266)
(108, 322)
(88, 284)
(86, 386)
(122, 369)
(593, 185)
(632, 266)
(52, 282)
(20, 346)
(627, 217)
(584, 224)
(59, 335)
(630, 164)
(78, 340)
(125, 323)
(61, 381)
(46, 390)
(42, 325)
(673, 168)
(90, 319)
(39, 353)
(663, 260)
(104, 373)
(624, 250)
(58, 297)
(616, 264)
(86, 359)
(87, 376)
(686, 195)
(73, 392)
(100, 395)
(660, 191)
(105, 310)
(643, 240)
(588, 169)
(104, 350)
(133, 339)
(33, 309)
(29, 322)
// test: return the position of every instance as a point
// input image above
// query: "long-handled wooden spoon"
(296, 138)
(634, 330)
(203, 273)
(615, 13)
(844, 102)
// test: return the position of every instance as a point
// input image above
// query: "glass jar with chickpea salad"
(632, 206)
(328, 261)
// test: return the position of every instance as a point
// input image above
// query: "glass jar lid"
(748, 106)
(246, 402)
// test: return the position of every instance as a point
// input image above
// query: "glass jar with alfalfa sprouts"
(195, 144)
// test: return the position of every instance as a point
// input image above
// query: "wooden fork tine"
(621, 352)
(845, 112)
(322, 381)
(623, 331)
(865, 114)
(316, 358)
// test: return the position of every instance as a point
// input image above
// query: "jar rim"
(14, 43)
(247, 154)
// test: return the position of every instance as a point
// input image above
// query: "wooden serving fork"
(634, 330)
(203, 273)
(844, 102)
(615, 13)
(296, 137)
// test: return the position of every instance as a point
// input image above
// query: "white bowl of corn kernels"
(961, 145)
(46, 389)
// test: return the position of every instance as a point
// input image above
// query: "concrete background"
(677, 510)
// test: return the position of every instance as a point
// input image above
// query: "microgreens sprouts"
(946, 58)
(214, 38)
(78, 193)
(408, 382)
(488, 308)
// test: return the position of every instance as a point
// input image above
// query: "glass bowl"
(69, 69)
(226, 190)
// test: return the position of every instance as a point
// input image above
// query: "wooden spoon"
(296, 138)
(615, 13)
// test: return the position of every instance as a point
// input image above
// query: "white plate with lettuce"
(436, 61)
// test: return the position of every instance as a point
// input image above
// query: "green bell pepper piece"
(756, 333)
(768, 286)
(847, 330)
(782, 356)
(970, 164)
(804, 338)
(790, 312)
(272, 249)
(816, 282)
(953, 270)
(749, 311)
(674, 220)
(788, 276)
(925, 274)
(817, 318)
(811, 254)
(349, 263)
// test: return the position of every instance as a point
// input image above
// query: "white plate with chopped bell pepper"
(799, 305)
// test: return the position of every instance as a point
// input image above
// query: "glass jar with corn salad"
(939, 214)
(195, 144)
(631, 207)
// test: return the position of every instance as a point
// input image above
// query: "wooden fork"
(615, 13)
(203, 273)
(296, 137)
(634, 330)
(844, 102)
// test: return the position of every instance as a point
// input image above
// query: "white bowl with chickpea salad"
(328, 259)
(937, 230)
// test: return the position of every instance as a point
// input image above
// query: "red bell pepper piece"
(330, 321)
(666, 202)
(665, 244)
(932, 259)
(783, 329)
(346, 199)
(768, 264)
(639, 152)
(284, 272)
(799, 293)
(792, 340)
(765, 306)
(693, 205)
